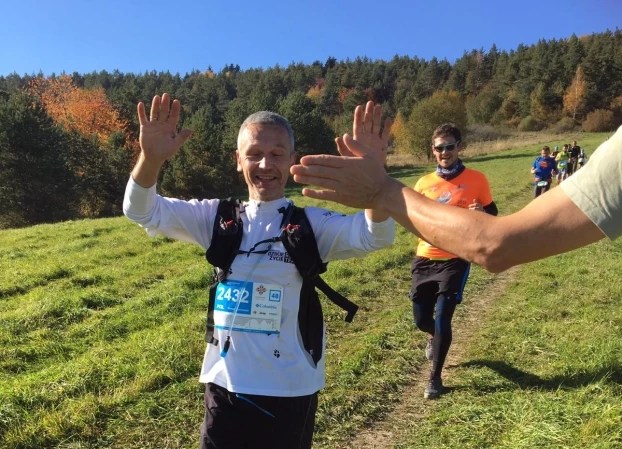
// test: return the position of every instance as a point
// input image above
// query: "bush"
(600, 120)
(482, 107)
(566, 124)
(514, 122)
(483, 133)
(530, 124)
(428, 114)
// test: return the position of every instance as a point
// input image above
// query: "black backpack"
(299, 242)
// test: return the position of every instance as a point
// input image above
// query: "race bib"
(260, 306)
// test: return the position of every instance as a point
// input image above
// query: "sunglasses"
(448, 146)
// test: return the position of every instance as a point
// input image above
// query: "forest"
(68, 141)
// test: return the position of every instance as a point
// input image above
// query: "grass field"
(101, 340)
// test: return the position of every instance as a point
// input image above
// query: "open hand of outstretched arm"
(159, 139)
(496, 243)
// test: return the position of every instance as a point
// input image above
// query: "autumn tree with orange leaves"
(99, 149)
(86, 111)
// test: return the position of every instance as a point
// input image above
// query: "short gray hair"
(268, 118)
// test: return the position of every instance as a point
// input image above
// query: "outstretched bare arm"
(496, 243)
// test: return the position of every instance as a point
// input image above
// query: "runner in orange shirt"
(439, 277)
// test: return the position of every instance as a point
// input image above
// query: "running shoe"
(433, 388)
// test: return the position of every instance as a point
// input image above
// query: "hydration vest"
(299, 242)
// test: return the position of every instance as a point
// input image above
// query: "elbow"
(127, 209)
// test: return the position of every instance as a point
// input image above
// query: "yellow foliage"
(315, 93)
(400, 134)
(344, 93)
(574, 98)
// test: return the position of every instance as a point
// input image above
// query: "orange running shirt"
(460, 191)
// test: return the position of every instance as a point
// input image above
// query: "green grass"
(546, 369)
(101, 340)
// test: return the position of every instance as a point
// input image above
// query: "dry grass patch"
(516, 139)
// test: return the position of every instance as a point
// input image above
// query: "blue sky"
(178, 36)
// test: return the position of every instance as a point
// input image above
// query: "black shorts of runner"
(247, 421)
(570, 166)
(431, 278)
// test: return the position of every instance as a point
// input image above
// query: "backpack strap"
(299, 242)
(224, 246)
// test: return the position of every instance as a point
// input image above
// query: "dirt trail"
(383, 434)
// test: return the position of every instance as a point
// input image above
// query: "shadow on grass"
(525, 380)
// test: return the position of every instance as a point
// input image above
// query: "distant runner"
(575, 151)
(543, 168)
(582, 159)
(562, 164)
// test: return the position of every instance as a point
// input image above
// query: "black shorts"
(431, 278)
(247, 421)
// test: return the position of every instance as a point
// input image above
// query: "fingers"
(369, 117)
(142, 117)
(358, 127)
(316, 171)
(175, 111)
(321, 194)
(342, 148)
(160, 109)
(356, 148)
(317, 181)
(165, 105)
(155, 108)
(325, 160)
(377, 119)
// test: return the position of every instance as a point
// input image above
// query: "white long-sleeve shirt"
(260, 363)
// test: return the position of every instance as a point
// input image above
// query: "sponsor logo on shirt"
(444, 198)
(279, 256)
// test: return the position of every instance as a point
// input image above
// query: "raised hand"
(367, 130)
(356, 179)
(159, 139)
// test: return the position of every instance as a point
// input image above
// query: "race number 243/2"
(232, 293)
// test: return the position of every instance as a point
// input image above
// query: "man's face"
(264, 156)
(545, 153)
(574, 143)
(446, 158)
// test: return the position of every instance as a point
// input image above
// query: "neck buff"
(450, 173)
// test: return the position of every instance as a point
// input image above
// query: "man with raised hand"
(262, 372)
(587, 206)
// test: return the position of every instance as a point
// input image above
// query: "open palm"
(367, 130)
(159, 139)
